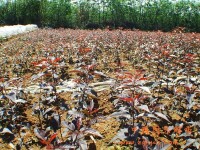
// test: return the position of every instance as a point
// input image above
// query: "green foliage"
(152, 15)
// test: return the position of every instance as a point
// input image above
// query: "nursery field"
(100, 90)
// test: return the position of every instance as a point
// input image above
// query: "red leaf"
(50, 147)
(120, 76)
(187, 88)
(189, 55)
(127, 99)
(50, 140)
(94, 111)
(136, 97)
(143, 78)
(34, 63)
(1, 79)
(48, 75)
(56, 60)
(165, 53)
(79, 123)
(52, 137)
(45, 142)
(84, 50)
(44, 66)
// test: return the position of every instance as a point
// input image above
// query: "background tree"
(142, 14)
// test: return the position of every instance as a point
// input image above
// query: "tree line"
(162, 15)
